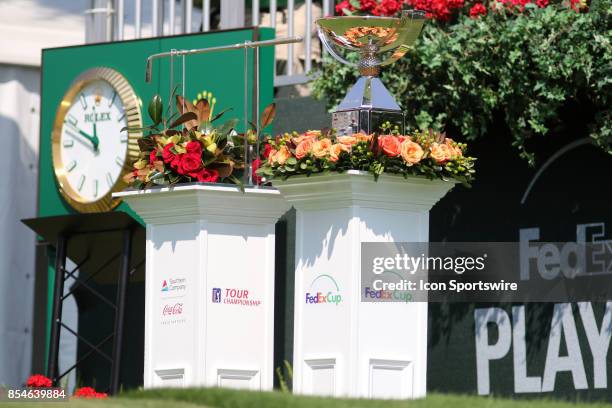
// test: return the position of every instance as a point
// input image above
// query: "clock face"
(93, 149)
(90, 153)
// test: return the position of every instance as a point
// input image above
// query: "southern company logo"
(329, 296)
(175, 287)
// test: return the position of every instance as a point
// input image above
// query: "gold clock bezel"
(134, 119)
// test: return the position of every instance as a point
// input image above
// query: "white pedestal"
(353, 348)
(209, 285)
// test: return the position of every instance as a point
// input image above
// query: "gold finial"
(98, 97)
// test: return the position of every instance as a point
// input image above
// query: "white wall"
(19, 124)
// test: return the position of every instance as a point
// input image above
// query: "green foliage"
(524, 68)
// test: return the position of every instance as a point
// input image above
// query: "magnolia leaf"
(228, 126)
(146, 144)
(203, 110)
(268, 115)
(218, 115)
(224, 169)
(185, 117)
(155, 109)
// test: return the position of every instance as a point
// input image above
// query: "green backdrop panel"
(221, 73)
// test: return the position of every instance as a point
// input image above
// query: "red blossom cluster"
(188, 163)
(89, 392)
(478, 10)
(376, 8)
(38, 381)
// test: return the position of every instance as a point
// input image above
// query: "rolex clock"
(90, 153)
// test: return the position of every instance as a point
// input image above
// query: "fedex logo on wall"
(330, 295)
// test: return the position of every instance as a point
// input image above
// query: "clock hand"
(95, 141)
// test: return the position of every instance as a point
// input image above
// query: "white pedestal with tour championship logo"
(343, 346)
(209, 312)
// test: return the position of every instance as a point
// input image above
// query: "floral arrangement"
(191, 148)
(89, 393)
(38, 381)
(428, 154)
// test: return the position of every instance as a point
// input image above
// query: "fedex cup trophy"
(379, 41)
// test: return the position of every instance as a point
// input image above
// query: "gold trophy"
(379, 41)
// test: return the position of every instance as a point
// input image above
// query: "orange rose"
(303, 148)
(347, 140)
(320, 148)
(335, 150)
(441, 153)
(411, 152)
(390, 145)
(282, 155)
(309, 135)
(272, 156)
(455, 150)
(362, 137)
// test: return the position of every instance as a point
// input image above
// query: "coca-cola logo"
(175, 309)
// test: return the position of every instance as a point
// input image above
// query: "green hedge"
(525, 67)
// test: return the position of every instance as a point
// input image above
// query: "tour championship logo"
(232, 296)
(329, 295)
(173, 287)
(172, 313)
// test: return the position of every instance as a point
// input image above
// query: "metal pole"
(246, 44)
(290, 29)
(120, 310)
(308, 37)
(120, 19)
(172, 13)
(255, 13)
(206, 15)
(247, 178)
(256, 101)
(156, 17)
(187, 9)
(56, 314)
(273, 13)
(138, 18)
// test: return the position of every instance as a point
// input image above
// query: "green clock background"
(221, 73)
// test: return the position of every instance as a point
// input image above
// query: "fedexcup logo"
(331, 295)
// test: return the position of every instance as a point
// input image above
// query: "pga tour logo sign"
(324, 290)
(233, 296)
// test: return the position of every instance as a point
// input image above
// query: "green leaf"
(155, 109)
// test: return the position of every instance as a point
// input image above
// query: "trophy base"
(366, 121)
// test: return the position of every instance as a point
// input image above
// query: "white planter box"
(353, 348)
(209, 312)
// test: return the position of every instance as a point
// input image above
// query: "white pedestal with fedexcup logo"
(343, 346)
(209, 312)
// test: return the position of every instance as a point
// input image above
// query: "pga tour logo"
(216, 295)
(329, 291)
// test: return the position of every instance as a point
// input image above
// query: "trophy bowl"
(379, 41)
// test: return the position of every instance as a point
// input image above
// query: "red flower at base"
(169, 157)
(153, 156)
(208, 176)
(267, 150)
(38, 381)
(478, 10)
(88, 392)
(190, 164)
(255, 165)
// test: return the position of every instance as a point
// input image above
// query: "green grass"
(224, 398)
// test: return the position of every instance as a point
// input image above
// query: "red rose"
(169, 157)
(478, 10)
(190, 164)
(390, 145)
(267, 150)
(88, 392)
(153, 156)
(194, 147)
(208, 176)
(38, 381)
(256, 165)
